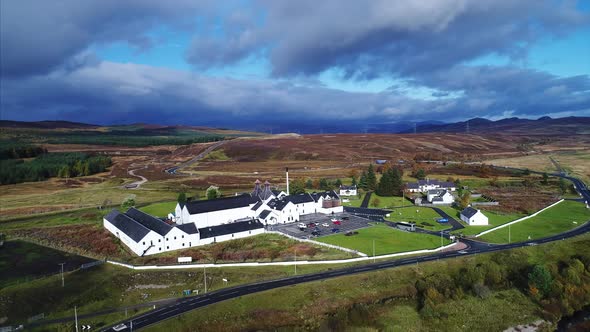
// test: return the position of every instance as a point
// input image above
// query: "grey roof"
(469, 212)
(330, 193)
(412, 185)
(437, 199)
(277, 203)
(219, 204)
(150, 222)
(264, 214)
(231, 228)
(256, 206)
(436, 192)
(128, 226)
(189, 228)
(276, 192)
(347, 187)
(300, 198)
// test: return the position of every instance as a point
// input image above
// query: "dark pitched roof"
(330, 193)
(128, 226)
(469, 212)
(300, 198)
(343, 187)
(231, 228)
(150, 222)
(277, 203)
(219, 204)
(256, 206)
(264, 214)
(189, 228)
(412, 185)
(276, 192)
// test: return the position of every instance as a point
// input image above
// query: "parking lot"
(347, 223)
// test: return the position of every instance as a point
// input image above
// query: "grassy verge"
(562, 217)
(353, 201)
(159, 209)
(387, 240)
(424, 217)
(387, 202)
(495, 219)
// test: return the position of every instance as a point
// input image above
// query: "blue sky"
(277, 63)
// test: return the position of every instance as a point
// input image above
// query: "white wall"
(215, 218)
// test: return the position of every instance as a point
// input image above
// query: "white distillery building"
(197, 223)
(348, 190)
(474, 217)
(440, 196)
(148, 235)
(425, 185)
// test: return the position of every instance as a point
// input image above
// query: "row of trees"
(390, 183)
(51, 165)
(22, 151)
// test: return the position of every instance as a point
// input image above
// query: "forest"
(49, 165)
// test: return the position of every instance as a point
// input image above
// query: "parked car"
(119, 327)
(345, 218)
(336, 222)
(316, 232)
(335, 230)
(350, 233)
(301, 225)
(311, 225)
(325, 224)
(333, 219)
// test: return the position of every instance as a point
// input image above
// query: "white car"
(325, 224)
(119, 327)
(334, 219)
(301, 225)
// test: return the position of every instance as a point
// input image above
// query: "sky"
(280, 63)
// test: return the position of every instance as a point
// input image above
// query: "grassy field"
(562, 217)
(424, 217)
(23, 261)
(387, 300)
(354, 201)
(388, 202)
(387, 240)
(159, 209)
(494, 219)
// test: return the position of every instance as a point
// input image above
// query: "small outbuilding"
(474, 217)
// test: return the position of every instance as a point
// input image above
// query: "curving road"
(198, 157)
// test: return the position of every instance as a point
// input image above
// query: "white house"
(348, 190)
(217, 211)
(474, 217)
(425, 185)
(440, 196)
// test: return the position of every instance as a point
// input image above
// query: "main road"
(186, 304)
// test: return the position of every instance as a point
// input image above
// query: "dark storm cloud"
(38, 36)
(381, 38)
(113, 93)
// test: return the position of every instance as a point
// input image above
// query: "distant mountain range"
(544, 125)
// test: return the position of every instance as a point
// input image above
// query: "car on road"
(119, 327)
(335, 230)
(336, 222)
(325, 224)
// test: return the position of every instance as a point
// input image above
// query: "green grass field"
(159, 209)
(562, 217)
(387, 240)
(425, 217)
(387, 202)
(494, 218)
(354, 201)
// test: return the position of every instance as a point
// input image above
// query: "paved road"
(136, 184)
(456, 224)
(365, 202)
(198, 157)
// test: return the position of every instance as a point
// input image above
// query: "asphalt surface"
(198, 157)
(454, 222)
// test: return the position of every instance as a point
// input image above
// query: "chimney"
(287, 171)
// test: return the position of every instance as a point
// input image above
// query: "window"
(160, 248)
(183, 236)
(167, 247)
(159, 240)
(249, 232)
(232, 235)
(175, 238)
(183, 244)
(166, 239)
(144, 243)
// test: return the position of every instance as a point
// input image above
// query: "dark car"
(311, 225)
(345, 218)
(316, 232)
(335, 230)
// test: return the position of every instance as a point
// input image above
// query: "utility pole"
(373, 250)
(205, 277)
(62, 274)
(441, 238)
(131, 326)
(76, 317)
(508, 233)
(295, 262)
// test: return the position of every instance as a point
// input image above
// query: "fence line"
(519, 220)
(338, 261)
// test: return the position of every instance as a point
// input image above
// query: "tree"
(128, 203)
(309, 184)
(297, 186)
(363, 180)
(545, 180)
(353, 180)
(337, 183)
(464, 199)
(324, 185)
(371, 178)
(181, 198)
(562, 186)
(375, 202)
(419, 174)
(540, 278)
(213, 192)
